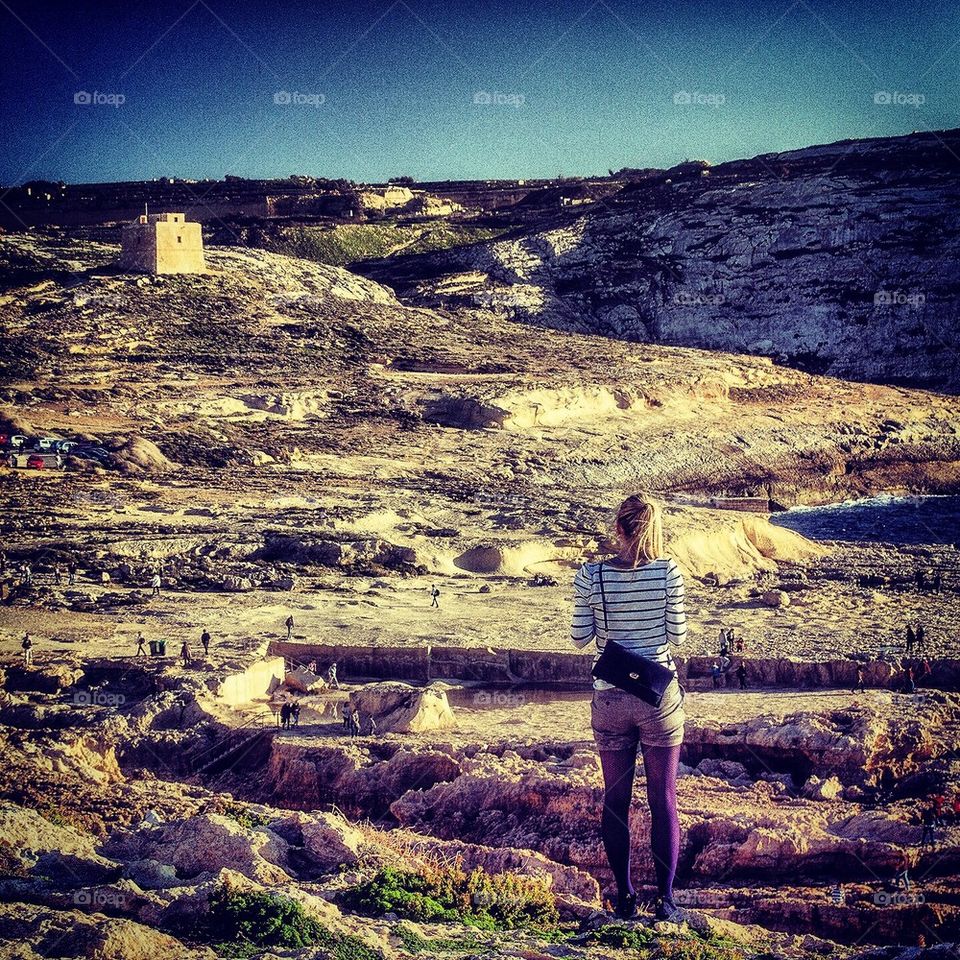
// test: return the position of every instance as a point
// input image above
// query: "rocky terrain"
(280, 437)
(837, 259)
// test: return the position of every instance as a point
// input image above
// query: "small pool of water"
(499, 698)
(886, 519)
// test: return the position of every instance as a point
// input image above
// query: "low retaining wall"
(510, 666)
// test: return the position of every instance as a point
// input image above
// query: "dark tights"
(660, 767)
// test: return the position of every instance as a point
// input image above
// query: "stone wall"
(510, 666)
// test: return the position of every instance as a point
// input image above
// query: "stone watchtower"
(162, 243)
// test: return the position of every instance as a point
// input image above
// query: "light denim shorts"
(621, 721)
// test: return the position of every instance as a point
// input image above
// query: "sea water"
(885, 518)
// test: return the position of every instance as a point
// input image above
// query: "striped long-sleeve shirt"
(645, 610)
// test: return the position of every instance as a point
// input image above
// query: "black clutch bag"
(629, 671)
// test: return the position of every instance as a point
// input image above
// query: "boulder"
(210, 841)
(401, 708)
(329, 840)
(826, 789)
(775, 598)
(304, 680)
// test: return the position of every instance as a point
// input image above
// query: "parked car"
(98, 454)
(64, 446)
(36, 462)
(18, 440)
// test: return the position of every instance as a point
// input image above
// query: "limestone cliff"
(840, 259)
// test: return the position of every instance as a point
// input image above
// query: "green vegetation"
(246, 817)
(413, 942)
(651, 945)
(342, 245)
(449, 894)
(239, 924)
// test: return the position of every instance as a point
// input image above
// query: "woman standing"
(636, 599)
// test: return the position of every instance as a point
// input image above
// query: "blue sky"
(369, 90)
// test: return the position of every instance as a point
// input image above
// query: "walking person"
(72, 573)
(742, 675)
(911, 639)
(185, 653)
(858, 681)
(288, 623)
(723, 641)
(295, 714)
(739, 644)
(285, 716)
(141, 652)
(155, 585)
(434, 596)
(921, 639)
(57, 574)
(205, 640)
(28, 574)
(635, 601)
(332, 676)
(937, 581)
(27, 646)
(715, 674)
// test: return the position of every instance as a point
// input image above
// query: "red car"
(35, 462)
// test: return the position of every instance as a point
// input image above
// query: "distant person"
(28, 575)
(57, 574)
(185, 653)
(288, 623)
(739, 644)
(373, 725)
(911, 639)
(921, 639)
(205, 640)
(285, 712)
(725, 664)
(858, 683)
(295, 714)
(723, 642)
(72, 573)
(837, 895)
(141, 652)
(434, 596)
(939, 802)
(155, 585)
(715, 674)
(354, 723)
(909, 683)
(347, 717)
(27, 646)
(937, 581)
(901, 878)
(742, 675)
(928, 820)
(59, 462)
(921, 578)
(332, 676)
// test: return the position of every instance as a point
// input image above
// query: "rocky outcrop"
(401, 708)
(821, 257)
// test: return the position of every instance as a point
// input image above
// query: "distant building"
(162, 243)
